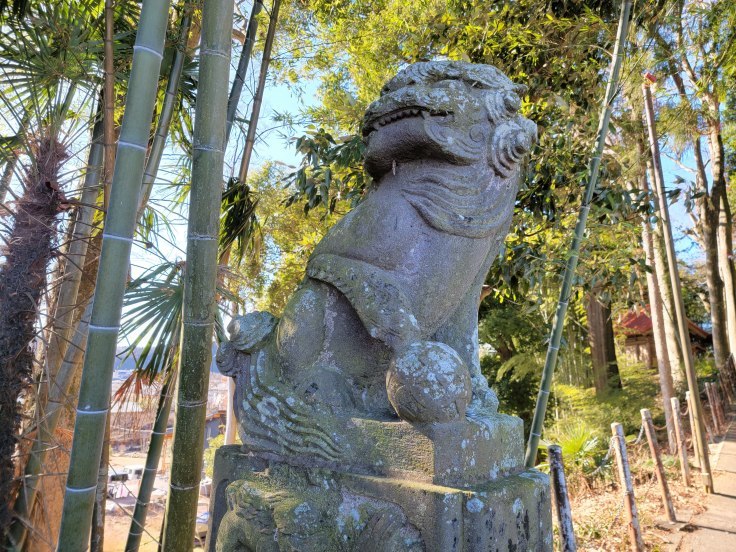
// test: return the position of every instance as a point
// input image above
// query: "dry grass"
(599, 515)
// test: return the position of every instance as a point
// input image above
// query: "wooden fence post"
(646, 419)
(713, 409)
(624, 474)
(562, 500)
(693, 442)
(729, 369)
(716, 386)
(726, 386)
(681, 444)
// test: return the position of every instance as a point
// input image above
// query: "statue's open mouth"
(379, 121)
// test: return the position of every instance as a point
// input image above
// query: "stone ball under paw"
(428, 382)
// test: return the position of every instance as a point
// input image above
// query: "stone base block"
(461, 454)
(266, 505)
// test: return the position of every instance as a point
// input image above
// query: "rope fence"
(719, 397)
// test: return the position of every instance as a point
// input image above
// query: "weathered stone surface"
(270, 506)
(365, 420)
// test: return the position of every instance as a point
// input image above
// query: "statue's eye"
(478, 85)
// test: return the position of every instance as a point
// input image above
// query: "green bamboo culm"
(167, 109)
(200, 276)
(155, 445)
(240, 73)
(158, 432)
(117, 239)
(572, 262)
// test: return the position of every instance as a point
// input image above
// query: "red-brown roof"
(637, 322)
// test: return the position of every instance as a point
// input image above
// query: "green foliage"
(331, 173)
(705, 369)
(640, 390)
(286, 238)
(239, 226)
(515, 382)
(583, 448)
(209, 454)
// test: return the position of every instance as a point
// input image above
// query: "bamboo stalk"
(258, 98)
(75, 257)
(572, 261)
(97, 536)
(646, 418)
(245, 55)
(200, 276)
(167, 109)
(562, 499)
(624, 474)
(117, 238)
(681, 445)
(108, 95)
(158, 434)
(683, 332)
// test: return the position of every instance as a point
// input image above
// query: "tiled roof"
(637, 322)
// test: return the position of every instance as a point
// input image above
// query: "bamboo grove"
(124, 122)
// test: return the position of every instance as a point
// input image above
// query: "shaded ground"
(714, 530)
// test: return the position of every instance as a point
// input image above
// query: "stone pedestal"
(398, 491)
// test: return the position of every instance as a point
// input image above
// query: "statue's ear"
(502, 105)
(509, 144)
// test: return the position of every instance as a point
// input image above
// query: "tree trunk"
(602, 344)
(682, 326)
(709, 208)
(62, 337)
(725, 236)
(22, 283)
(663, 362)
(662, 274)
(656, 307)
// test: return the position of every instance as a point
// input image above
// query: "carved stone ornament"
(365, 420)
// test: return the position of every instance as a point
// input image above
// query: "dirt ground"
(120, 510)
(600, 520)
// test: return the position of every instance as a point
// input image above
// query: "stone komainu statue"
(373, 368)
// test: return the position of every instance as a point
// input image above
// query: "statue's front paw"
(227, 360)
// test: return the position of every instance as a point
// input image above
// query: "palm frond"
(151, 323)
